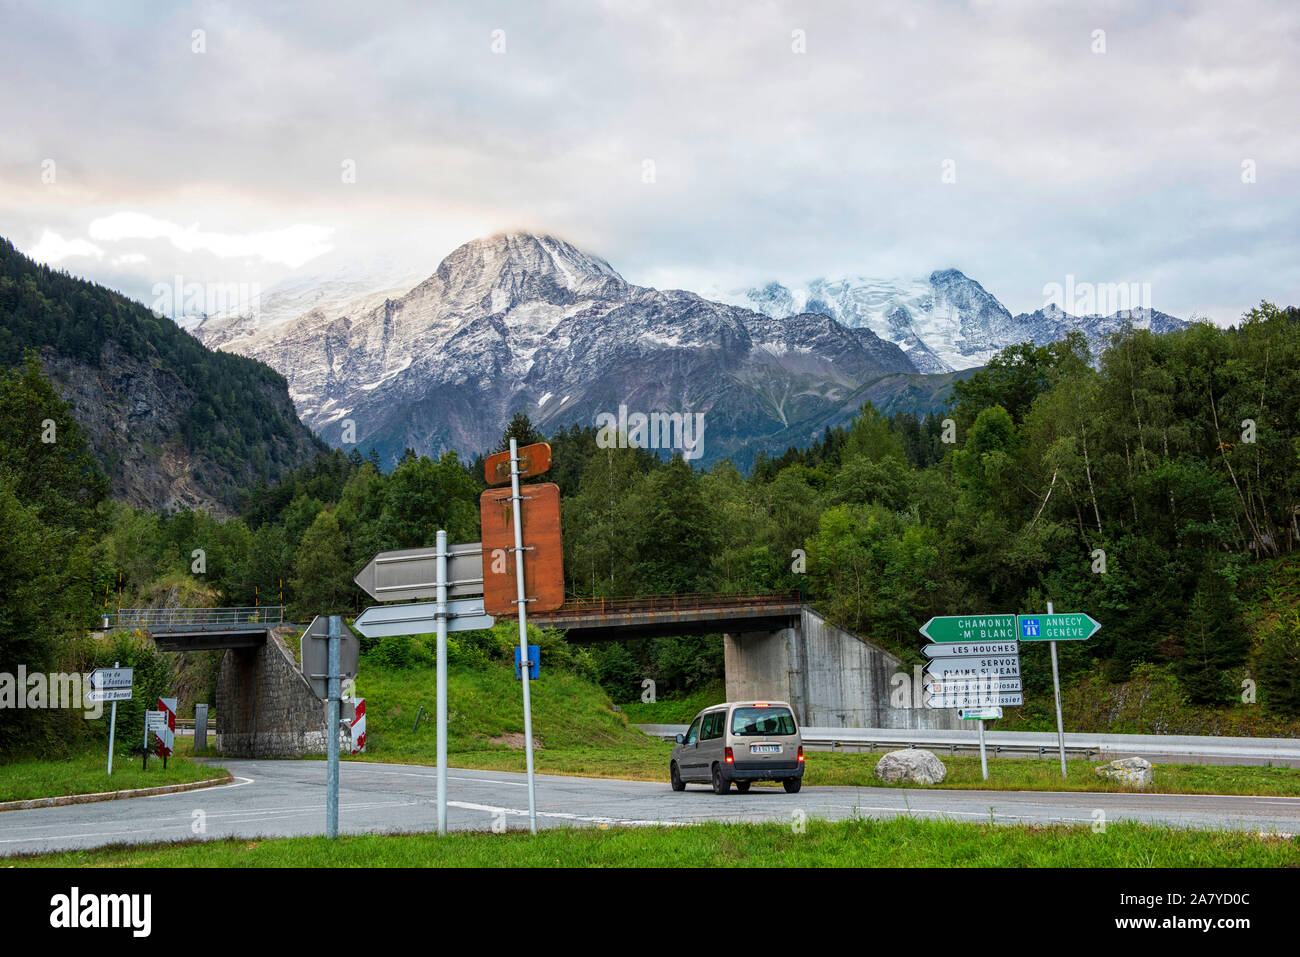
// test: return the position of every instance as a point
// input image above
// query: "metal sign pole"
(441, 614)
(1056, 690)
(332, 731)
(984, 759)
(112, 727)
(523, 635)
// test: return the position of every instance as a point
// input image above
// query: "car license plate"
(765, 749)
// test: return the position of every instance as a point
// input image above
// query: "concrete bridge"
(267, 709)
(775, 646)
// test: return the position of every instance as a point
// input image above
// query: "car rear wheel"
(678, 783)
(720, 784)
(792, 785)
(742, 787)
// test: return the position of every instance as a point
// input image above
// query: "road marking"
(432, 774)
(523, 812)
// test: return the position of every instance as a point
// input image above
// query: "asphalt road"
(287, 798)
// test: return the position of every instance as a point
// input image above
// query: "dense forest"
(235, 418)
(1156, 489)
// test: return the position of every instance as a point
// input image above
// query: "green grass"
(86, 773)
(676, 710)
(486, 703)
(896, 842)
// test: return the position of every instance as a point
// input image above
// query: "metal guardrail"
(652, 603)
(196, 619)
(1281, 751)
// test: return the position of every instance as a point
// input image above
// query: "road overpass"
(266, 707)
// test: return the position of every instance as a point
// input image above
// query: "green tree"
(322, 583)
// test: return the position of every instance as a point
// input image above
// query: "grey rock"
(1131, 772)
(911, 765)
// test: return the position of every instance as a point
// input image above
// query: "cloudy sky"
(694, 144)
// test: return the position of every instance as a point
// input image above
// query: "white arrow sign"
(1008, 667)
(975, 686)
(382, 621)
(1014, 699)
(111, 678)
(108, 694)
(409, 573)
(971, 648)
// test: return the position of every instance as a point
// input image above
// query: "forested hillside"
(1156, 490)
(174, 424)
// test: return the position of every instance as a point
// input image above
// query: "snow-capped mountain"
(524, 322)
(520, 321)
(945, 322)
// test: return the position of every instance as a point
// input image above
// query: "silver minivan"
(737, 743)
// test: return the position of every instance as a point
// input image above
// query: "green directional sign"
(1074, 626)
(971, 628)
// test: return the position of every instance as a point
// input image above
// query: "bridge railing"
(663, 603)
(196, 619)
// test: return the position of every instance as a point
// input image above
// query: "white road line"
(523, 812)
(433, 775)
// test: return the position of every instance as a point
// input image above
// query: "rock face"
(1131, 772)
(912, 766)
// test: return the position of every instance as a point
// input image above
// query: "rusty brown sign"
(544, 556)
(533, 461)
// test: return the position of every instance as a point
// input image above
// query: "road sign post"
(111, 684)
(523, 633)
(332, 730)
(1052, 628)
(152, 721)
(438, 573)
(441, 593)
(1056, 693)
(112, 728)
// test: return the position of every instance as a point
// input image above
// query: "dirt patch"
(515, 740)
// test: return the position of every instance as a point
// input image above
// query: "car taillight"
(801, 754)
(731, 758)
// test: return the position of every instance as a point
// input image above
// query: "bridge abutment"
(831, 677)
(267, 709)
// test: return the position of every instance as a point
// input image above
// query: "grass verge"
(86, 773)
(896, 842)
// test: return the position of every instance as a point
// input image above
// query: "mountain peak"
(511, 261)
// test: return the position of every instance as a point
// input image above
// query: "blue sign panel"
(534, 663)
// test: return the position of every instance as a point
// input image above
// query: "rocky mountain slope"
(523, 322)
(173, 424)
(518, 321)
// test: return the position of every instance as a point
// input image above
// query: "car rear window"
(750, 722)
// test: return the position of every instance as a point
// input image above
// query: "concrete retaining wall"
(831, 677)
